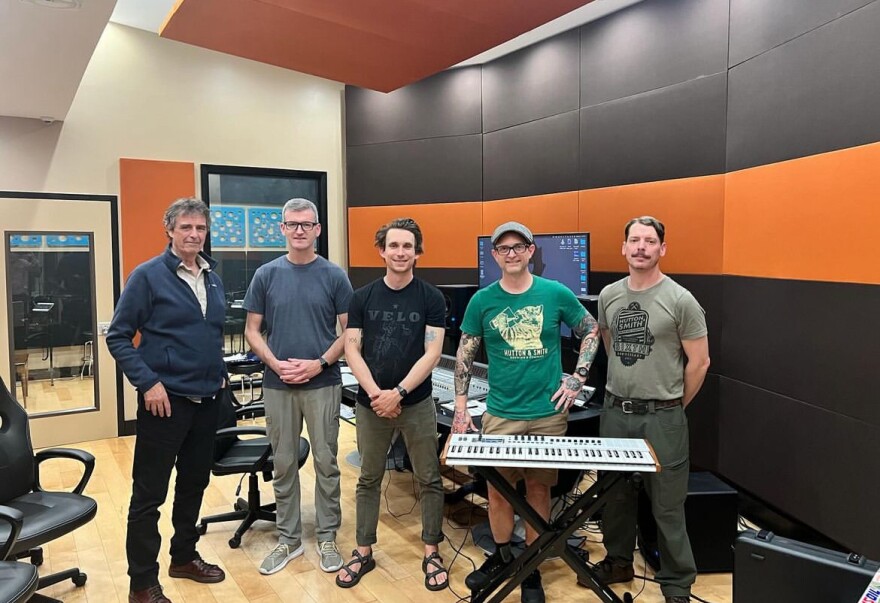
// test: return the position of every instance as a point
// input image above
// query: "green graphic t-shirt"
(521, 335)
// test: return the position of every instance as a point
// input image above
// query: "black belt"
(641, 407)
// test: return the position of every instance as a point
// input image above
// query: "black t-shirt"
(393, 325)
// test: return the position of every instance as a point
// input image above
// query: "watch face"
(583, 371)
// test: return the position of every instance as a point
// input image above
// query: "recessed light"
(59, 4)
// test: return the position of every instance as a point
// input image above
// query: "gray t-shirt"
(646, 361)
(300, 303)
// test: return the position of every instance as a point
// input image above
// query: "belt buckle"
(626, 406)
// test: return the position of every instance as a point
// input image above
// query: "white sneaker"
(331, 560)
(280, 556)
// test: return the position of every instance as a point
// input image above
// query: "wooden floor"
(67, 393)
(99, 547)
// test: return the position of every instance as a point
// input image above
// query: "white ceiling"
(44, 52)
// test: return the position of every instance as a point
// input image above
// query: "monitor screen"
(563, 257)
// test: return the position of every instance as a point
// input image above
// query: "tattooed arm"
(464, 362)
(588, 330)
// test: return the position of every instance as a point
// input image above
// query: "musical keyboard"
(551, 452)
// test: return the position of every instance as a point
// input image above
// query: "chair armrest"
(14, 518)
(237, 431)
(250, 411)
(86, 458)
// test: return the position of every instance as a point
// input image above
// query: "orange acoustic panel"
(805, 219)
(692, 209)
(146, 189)
(450, 232)
(377, 44)
(557, 212)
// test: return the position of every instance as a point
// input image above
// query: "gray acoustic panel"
(675, 132)
(418, 171)
(816, 466)
(758, 25)
(532, 159)
(815, 94)
(436, 276)
(702, 414)
(652, 45)
(708, 289)
(446, 104)
(538, 81)
(811, 341)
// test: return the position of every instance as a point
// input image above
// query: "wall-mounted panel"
(815, 465)
(449, 230)
(757, 25)
(800, 219)
(815, 94)
(811, 341)
(676, 132)
(417, 171)
(652, 45)
(541, 213)
(446, 104)
(538, 81)
(536, 158)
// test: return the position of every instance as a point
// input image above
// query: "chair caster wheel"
(80, 579)
(234, 542)
(236, 506)
(201, 529)
(37, 558)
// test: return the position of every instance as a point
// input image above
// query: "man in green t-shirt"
(658, 354)
(518, 317)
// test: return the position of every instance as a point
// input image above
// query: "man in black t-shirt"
(393, 341)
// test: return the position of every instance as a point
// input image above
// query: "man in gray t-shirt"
(658, 354)
(301, 296)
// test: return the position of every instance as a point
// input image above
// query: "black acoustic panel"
(446, 104)
(652, 45)
(702, 413)
(757, 25)
(816, 466)
(538, 81)
(815, 94)
(708, 289)
(532, 159)
(433, 170)
(676, 132)
(436, 276)
(812, 341)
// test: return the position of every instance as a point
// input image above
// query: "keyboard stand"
(552, 538)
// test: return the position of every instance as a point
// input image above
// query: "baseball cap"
(515, 227)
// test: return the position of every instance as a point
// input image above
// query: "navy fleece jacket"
(178, 346)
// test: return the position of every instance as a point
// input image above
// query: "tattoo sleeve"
(464, 361)
(588, 329)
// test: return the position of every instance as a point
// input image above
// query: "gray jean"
(418, 426)
(285, 411)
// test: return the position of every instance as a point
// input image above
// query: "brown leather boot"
(198, 570)
(152, 594)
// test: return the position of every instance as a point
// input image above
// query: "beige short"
(554, 425)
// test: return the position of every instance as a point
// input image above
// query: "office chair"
(45, 515)
(251, 457)
(18, 581)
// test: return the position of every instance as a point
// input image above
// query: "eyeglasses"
(517, 249)
(306, 226)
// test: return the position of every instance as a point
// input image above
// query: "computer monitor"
(563, 257)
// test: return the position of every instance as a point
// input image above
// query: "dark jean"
(184, 441)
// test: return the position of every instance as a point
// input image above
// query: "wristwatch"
(324, 363)
(402, 391)
(584, 372)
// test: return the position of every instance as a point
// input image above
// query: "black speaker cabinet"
(711, 515)
(457, 298)
(772, 569)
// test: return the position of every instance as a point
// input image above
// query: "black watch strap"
(402, 391)
(324, 363)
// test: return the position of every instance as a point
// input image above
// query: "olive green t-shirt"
(521, 335)
(646, 361)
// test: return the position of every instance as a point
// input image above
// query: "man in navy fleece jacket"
(176, 302)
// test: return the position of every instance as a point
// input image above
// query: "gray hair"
(299, 204)
(651, 221)
(184, 206)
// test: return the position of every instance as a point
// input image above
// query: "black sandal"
(367, 564)
(434, 560)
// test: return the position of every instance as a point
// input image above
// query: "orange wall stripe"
(557, 212)
(806, 219)
(146, 189)
(692, 209)
(450, 233)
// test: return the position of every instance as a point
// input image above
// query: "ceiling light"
(62, 4)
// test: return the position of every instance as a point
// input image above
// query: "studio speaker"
(456, 298)
(711, 516)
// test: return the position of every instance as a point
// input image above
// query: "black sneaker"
(531, 590)
(609, 572)
(478, 579)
